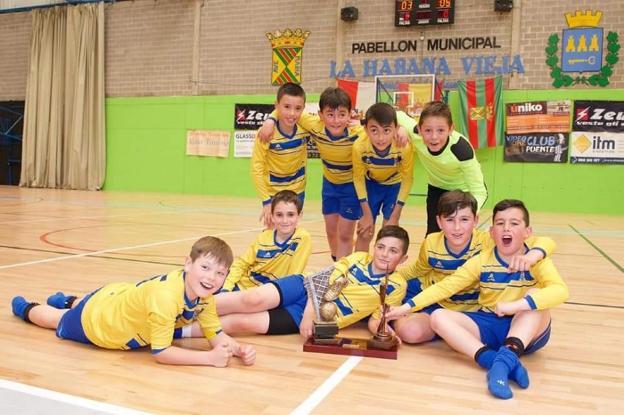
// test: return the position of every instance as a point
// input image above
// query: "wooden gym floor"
(75, 241)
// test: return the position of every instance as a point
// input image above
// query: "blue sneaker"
(58, 300)
(19, 306)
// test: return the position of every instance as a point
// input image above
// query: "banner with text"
(537, 147)
(207, 143)
(597, 147)
(251, 116)
(243, 143)
(538, 117)
(598, 116)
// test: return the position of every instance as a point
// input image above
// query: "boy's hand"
(397, 312)
(402, 138)
(247, 354)
(306, 328)
(265, 216)
(221, 354)
(265, 133)
(366, 226)
(526, 261)
(506, 308)
(394, 216)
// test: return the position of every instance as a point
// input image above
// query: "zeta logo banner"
(287, 55)
(582, 50)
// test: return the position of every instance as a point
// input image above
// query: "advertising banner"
(537, 147)
(598, 116)
(251, 116)
(243, 143)
(597, 147)
(207, 143)
(538, 117)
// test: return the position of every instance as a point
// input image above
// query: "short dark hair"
(508, 204)
(334, 98)
(290, 89)
(436, 109)
(383, 113)
(215, 247)
(394, 231)
(286, 196)
(451, 202)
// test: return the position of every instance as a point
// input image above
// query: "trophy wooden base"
(351, 347)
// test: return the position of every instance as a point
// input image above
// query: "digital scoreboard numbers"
(424, 12)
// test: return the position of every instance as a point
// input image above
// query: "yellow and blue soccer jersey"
(128, 315)
(394, 165)
(454, 167)
(360, 298)
(436, 262)
(267, 260)
(335, 152)
(496, 285)
(280, 164)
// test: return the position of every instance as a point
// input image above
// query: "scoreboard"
(424, 12)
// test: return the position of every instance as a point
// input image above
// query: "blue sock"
(60, 300)
(498, 375)
(485, 357)
(21, 307)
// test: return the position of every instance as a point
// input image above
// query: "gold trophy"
(383, 339)
(324, 338)
(323, 295)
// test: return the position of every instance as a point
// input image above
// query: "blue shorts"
(340, 199)
(293, 296)
(494, 330)
(70, 326)
(414, 287)
(382, 197)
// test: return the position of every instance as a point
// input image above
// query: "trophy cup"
(324, 338)
(323, 295)
(383, 339)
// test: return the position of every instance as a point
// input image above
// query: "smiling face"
(435, 131)
(286, 218)
(458, 228)
(289, 109)
(509, 231)
(335, 120)
(381, 136)
(387, 254)
(204, 276)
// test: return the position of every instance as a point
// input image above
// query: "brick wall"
(149, 43)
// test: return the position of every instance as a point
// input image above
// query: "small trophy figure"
(323, 295)
(383, 339)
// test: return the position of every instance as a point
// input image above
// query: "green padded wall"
(146, 141)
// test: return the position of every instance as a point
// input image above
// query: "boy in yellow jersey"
(446, 155)
(514, 317)
(442, 253)
(128, 315)
(382, 172)
(280, 164)
(334, 138)
(275, 253)
(282, 306)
